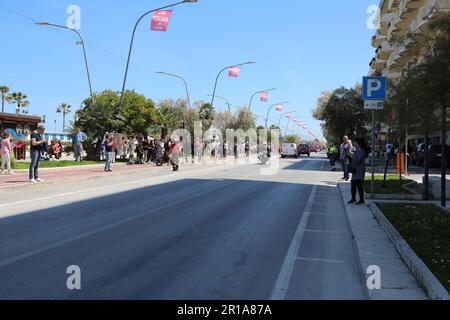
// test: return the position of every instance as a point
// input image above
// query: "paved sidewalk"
(20, 178)
(375, 249)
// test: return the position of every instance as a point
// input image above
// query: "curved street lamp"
(220, 72)
(283, 114)
(289, 122)
(270, 108)
(224, 99)
(80, 42)
(132, 41)
(257, 92)
(182, 79)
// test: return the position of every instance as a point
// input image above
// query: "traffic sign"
(374, 104)
(374, 88)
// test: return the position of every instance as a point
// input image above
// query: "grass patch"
(426, 228)
(393, 185)
(54, 164)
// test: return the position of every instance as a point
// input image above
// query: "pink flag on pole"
(279, 108)
(160, 20)
(234, 72)
(264, 96)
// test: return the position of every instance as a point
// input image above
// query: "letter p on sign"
(374, 88)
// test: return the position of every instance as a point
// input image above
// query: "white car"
(289, 150)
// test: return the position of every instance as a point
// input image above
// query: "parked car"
(303, 149)
(435, 155)
(289, 150)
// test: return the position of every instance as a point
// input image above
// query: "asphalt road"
(215, 232)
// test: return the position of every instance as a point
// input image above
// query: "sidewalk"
(20, 178)
(375, 249)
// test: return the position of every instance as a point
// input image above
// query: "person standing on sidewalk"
(77, 143)
(109, 152)
(36, 148)
(6, 153)
(332, 152)
(343, 150)
(358, 169)
(174, 152)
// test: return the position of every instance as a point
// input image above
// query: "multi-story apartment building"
(395, 50)
(397, 19)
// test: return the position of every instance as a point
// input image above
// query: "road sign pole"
(373, 155)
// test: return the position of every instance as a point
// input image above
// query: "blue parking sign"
(374, 88)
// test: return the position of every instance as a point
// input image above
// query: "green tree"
(342, 114)
(291, 139)
(4, 94)
(20, 100)
(65, 109)
(98, 118)
(139, 114)
(245, 119)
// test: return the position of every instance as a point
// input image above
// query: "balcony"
(393, 4)
(425, 13)
(377, 40)
(377, 63)
(385, 50)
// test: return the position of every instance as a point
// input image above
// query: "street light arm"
(132, 41)
(84, 50)
(218, 76)
(253, 96)
(185, 85)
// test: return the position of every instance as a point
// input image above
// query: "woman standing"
(358, 169)
(6, 153)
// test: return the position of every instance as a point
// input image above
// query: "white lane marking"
(284, 278)
(107, 227)
(326, 231)
(326, 214)
(151, 179)
(319, 260)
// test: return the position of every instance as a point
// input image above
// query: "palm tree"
(19, 99)
(65, 109)
(3, 94)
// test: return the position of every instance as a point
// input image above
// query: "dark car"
(435, 155)
(303, 149)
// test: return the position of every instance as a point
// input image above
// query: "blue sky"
(301, 47)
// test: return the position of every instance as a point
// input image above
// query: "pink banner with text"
(160, 20)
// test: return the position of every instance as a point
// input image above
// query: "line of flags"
(160, 23)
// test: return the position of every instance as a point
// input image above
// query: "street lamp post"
(283, 114)
(220, 72)
(132, 41)
(84, 50)
(270, 108)
(287, 126)
(257, 92)
(224, 99)
(185, 84)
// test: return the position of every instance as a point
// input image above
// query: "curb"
(362, 272)
(71, 179)
(432, 286)
(61, 168)
(397, 197)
